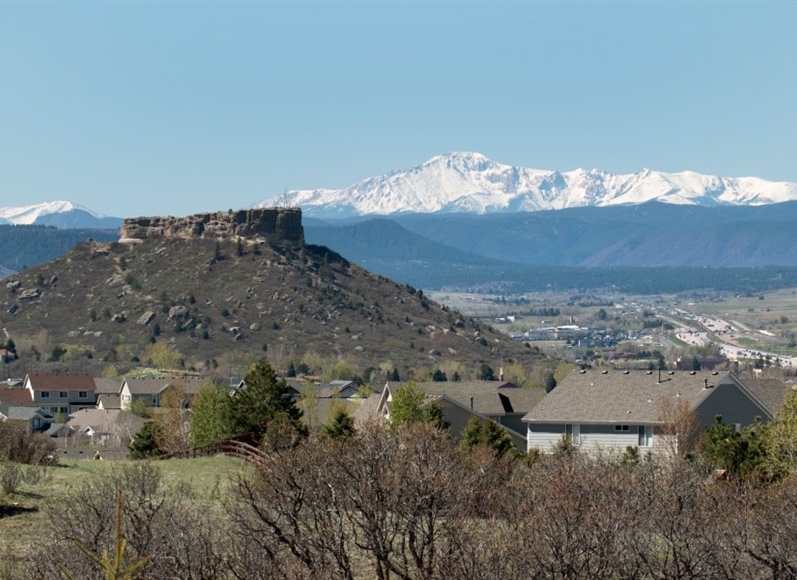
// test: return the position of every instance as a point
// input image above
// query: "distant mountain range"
(525, 249)
(462, 220)
(465, 182)
(59, 214)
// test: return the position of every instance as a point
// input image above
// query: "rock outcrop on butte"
(274, 224)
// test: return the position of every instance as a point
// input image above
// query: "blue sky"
(150, 108)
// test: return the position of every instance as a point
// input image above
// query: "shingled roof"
(61, 382)
(487, 397)
(622, 396)
(150, 386)
(770, 391)
(16, 397)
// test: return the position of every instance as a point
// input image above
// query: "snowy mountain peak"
(472, 183)
(28, 214)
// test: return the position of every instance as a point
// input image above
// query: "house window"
(63, 395)
(574, 432)
(645, 436)
(622, 427)
(45, 394)
(82, 394)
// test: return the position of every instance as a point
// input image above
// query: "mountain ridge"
(468, 182)
(60, 214)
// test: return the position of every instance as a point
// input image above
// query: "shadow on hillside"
(7, 511)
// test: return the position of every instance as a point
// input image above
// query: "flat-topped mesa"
(274, 224)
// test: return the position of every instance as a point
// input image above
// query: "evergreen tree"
(433, 414)
(341, 426)
(488, 433)
(143, 444)
(743, 453)
(486, 373)
(781, 439)
(261, 401)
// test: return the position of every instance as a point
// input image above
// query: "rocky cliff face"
(276, 224)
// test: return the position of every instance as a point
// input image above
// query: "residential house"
(35, 418)
(61, 393)
(612, 410)
(318, 401)
(150, 391)
(771, 391)
(108, 393)
(500, 401)
(106, 427)
(16, 397)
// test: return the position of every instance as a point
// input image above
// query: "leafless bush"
(10, 477)
(157, 523)
(18, 444)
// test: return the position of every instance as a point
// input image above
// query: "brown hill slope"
(222, 300)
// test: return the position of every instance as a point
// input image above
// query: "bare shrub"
(18, 444)
(11, 477)
(680, 426)
(157, 522)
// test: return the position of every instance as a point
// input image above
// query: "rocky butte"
(273, 224)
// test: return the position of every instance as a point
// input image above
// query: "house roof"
(57, 429)
(150, 386)
(15, 396)
(26, 413)
(367, 411)
(107, 386)
(109, 401)
(771, 392)
(61, 382)
(621, 396)
(105, 420)
(488, 397)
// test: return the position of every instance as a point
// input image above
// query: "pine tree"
(263, 399)
(143, 444)
(486, 433)
(341, 426)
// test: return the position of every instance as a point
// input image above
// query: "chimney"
(501, 374)
(471, 403)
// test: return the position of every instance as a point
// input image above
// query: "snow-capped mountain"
(62, 214)
(472, 183)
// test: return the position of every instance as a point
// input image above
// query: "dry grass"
(24, 515)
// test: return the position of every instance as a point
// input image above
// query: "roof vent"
(693, 373)
(604, 372)
(583, 371)
(626, 372)
(670, 372)
(648, 372)
(715, 373)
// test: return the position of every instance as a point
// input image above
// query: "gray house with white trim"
(604, 410)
